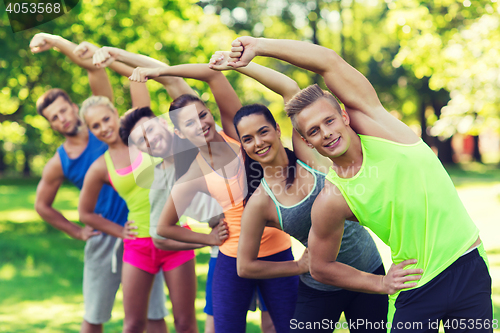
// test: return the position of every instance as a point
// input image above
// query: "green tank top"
(133, 185)
(406, 197)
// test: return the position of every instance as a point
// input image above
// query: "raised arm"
(106, 56)
(140, 95)
(324, 242)
(287, 88)
(253, 222)
(46, 191)
(224, 94)
(349, 85)
(367, 114)
(98, 79)
(95, 178)
(274, 80)
(85, 51)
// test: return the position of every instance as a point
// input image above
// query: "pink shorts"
(142, 253)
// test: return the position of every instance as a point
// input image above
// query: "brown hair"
(49, 97)
(184, 151)
(181, 102)
(130, 118)
(306, 97)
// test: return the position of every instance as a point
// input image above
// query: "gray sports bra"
(357, 249)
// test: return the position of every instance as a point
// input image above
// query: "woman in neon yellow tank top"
(141, 258)
(219, 171)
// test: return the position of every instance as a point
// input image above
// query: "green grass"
(472, 174)
(41, 268)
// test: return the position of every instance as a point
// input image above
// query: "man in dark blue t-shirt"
(103, 253)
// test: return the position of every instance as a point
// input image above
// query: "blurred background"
(434, 64)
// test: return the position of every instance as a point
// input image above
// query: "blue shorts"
(233, 294)
(209, 309)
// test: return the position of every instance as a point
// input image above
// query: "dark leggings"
(323, 309)
(232, 295)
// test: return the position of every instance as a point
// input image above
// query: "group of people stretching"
(351, 167)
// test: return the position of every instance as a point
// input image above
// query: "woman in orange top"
(218, 170)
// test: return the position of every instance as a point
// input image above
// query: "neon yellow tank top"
(406, 197)
(133, 185)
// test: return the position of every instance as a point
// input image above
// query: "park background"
(435, 65)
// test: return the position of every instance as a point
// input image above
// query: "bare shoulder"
(99, 164)
(330, 202)
(98, 169)
(261, 206)
(52, 178)
(260, 199)
(53, 169)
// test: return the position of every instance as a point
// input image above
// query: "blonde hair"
(95, 101)
(306, 97)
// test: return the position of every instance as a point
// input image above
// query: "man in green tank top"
(384, 176)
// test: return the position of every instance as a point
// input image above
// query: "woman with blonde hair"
(119, 167)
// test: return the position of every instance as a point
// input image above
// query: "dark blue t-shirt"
(109, 204)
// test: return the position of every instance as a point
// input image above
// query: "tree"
(452, 44)
(174, 32)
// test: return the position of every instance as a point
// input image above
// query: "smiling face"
(151, 136)
(63, 117)
(259, 138)
(195, 123)
(103, 123)
(324, 128)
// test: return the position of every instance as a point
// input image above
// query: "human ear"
(179, 133)
(345, 117)
(307, 142)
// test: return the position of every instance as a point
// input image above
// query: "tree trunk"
(476, 154)
(423, 123)
(314, 27)
(445, 151)
(27, 168)
(2, 163)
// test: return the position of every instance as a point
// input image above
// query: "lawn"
(41, 268)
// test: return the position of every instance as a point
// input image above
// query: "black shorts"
(459, 297)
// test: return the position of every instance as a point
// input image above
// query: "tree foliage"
(420, 55)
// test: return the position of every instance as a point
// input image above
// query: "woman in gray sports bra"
(281, 192)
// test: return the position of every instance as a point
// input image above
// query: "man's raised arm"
(110, 56)
(349, 85)
(98, 79)
(367, 115)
